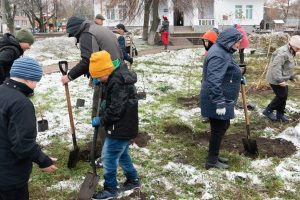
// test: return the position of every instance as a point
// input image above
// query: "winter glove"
(96, 81)
(221, 111)
(243, 80)
(96, 121)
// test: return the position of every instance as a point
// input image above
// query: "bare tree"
(283, 6)
(9, 10)
(155, 22)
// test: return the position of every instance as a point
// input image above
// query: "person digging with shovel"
(119, 116)
(219, 91)
(92, 38)
(279, 72)
(18, 147)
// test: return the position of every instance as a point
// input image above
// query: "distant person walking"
(121, 30)
(279, 72)
(219, 91)
(243, 44)
(11, 48)
(164, 31)
(99, 19)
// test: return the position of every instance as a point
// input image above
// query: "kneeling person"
(119, 116)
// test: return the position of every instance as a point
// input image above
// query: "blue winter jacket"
(221, 77)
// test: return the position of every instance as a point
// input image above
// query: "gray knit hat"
(295, 41)
(26, 68)
(25, 36)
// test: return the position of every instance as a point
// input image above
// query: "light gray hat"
(295, 41)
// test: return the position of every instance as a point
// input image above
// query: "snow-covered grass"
(170, 167)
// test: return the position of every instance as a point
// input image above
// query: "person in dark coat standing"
(121, 30)
(18, 147)
(92, 38)
(219, 91)
(11, 48)
(164, 31)
(119, 116)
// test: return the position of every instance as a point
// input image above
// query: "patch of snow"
(51, 50)
(66, 185)
(291, 134)
(232, 176)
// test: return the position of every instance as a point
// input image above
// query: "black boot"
(218, 165)
(269, 113)
(281, 117)
(223, 160)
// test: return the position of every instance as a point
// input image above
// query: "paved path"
(156, 49)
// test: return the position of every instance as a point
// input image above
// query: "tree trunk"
(155, 22)
(10, 15)
(147, 8)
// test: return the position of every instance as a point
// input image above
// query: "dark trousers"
(218, 130)
(279, 101)
(17, 194)
(242, 56)
(101, 130)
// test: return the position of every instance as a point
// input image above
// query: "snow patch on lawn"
(66, 185)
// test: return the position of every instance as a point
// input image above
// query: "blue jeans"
(115, 151)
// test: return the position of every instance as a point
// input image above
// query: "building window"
(122, 12)
(24, 22)
(249, 11)
(238, 11)
(110, 13)
(207, 22)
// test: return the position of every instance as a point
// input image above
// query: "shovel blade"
(88, 186)
(250, 146)
(73, 158)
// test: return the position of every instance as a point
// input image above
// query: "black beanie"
(73, 26)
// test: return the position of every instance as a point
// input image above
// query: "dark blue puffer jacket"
(221, 77)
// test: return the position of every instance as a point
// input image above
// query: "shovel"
(91, 180)
(250, 145)
(74, 154)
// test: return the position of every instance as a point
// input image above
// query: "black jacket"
(18, 147)
(10, 50)
(93, 38)
(120, 115)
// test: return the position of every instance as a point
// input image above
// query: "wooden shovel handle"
(245, 104)
(70, 114)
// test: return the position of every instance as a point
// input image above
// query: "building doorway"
(178, 17)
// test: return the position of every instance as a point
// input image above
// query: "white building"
(205, 15)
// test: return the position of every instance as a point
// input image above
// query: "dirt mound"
(233, 142)
(142, 139)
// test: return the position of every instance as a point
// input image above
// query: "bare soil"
(233, 142)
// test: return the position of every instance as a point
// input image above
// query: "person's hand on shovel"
(51, 168)
(65, 79)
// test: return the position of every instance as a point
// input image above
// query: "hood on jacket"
(74, 26)
(123, 75)
(10, 40)
(228, 38)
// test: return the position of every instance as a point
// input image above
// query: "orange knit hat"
(210, 36)
(100, 64)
